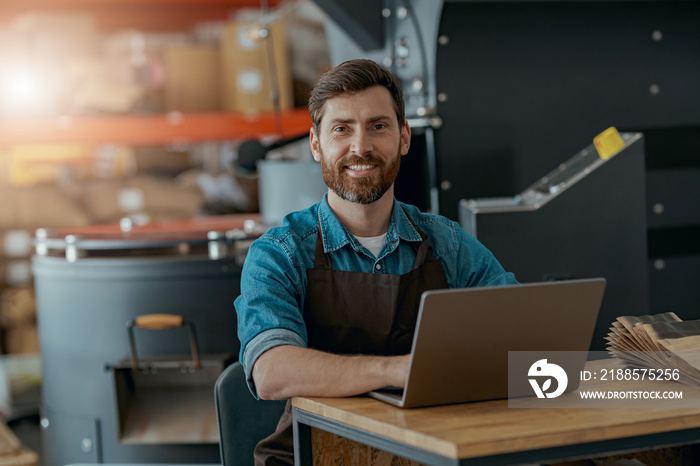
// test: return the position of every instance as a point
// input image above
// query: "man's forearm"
(286, 371)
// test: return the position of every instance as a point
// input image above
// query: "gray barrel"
(88, 286)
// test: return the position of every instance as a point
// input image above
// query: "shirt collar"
(405, 229)
(336, 235)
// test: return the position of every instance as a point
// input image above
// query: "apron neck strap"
(321, 260)
(423, 253)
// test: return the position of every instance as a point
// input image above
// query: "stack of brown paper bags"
(661, 341)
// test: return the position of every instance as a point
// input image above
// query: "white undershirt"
(373, 243)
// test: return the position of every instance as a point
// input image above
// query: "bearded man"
(329, 299)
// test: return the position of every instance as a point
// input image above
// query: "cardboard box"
(245, 66)
(22, 339)
(56, 35)
(161, 161)
(110, 200)
(18, 320)
(39, 207)
(104, 84)
(20, 386)
(16, 244)
(192, 78)
(15, 272)
(19, 272)
(37, 164)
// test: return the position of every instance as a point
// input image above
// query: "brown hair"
(350, 77)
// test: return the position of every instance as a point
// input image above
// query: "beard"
(361, 190)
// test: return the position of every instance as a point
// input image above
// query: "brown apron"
(356, 313)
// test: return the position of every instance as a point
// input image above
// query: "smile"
(360, 168)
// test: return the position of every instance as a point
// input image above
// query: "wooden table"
(491, 433)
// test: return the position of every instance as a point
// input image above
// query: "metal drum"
(90, 283)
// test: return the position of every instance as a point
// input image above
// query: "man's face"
(360, 144)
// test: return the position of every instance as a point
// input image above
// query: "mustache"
(367, 159)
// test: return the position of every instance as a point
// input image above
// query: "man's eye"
(339, 129)
(379, 126)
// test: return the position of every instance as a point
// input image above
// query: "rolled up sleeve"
(261, 343)
(270, 307)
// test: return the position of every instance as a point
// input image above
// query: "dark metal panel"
(527, 83)
(672, 147)
(673, 285)
(673, 197)
(412, 184)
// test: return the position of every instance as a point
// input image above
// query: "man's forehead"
(369, 104)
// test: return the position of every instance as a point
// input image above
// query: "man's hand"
(286, 371)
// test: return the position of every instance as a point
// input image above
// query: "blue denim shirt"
(273, 285)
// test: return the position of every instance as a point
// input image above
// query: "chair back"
(243, 420)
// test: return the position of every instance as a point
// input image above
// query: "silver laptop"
(460, 347)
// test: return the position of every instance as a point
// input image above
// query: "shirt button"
(378, 267)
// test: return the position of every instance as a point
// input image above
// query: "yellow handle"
(608, 143)
(158, 321)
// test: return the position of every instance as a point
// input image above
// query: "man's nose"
(361, 143)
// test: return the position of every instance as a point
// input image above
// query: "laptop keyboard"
(394, 392)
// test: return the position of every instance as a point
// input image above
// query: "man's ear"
(315, 144)
(405, 138)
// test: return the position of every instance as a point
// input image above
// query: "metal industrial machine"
(109, 398)
(546, 233)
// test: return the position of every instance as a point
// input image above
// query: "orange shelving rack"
(157, 129)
